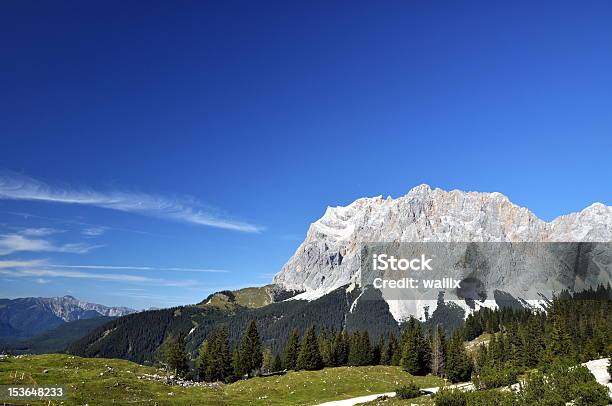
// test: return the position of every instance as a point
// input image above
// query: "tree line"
(417, 352)
(577, 327)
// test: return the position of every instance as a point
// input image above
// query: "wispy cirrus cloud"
(139, 268)
(38, 274)
(73, 222)
(41, 269)
(11, 243)
(20, 187)
(93, 231)
(39, 232)
(21, 264)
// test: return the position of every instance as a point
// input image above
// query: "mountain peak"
(422, 188)
(329, 256)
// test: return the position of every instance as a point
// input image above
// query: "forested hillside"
(57, 339)
(140, 337)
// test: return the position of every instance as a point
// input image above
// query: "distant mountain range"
(24, 318)
(54, 340)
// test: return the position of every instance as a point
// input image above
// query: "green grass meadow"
(98, 381)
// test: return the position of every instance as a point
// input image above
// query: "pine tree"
(237, 365)
(438, 352)
(278, 364)
(309, 358)
(410, 354)
(394, 350)
(340, 349)
(390, 350)
(250, 351)
(385, 358)
(292, 350)
(416, 352)
(494, 351)
(203, 361)
(532, 352)
(325, 347)
(515, 345)
(481, 357)
(360, 349)
(559, 342)
(218, 360)
(176, 356)
(377, 351)
(354, 349)
(458, 363)
(366, 348)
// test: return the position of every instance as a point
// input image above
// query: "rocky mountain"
(25, 317)
(330, 256)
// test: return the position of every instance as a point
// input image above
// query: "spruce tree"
(203, 361)
(515, 345)
(495, 355)
(458, 363)
(416, 352)
(237, 365)
(341, 349)
(354, 348)
(377, 351)
(366, 349)
(325, 347)
(278, 364)
(250, 351)
(394, 350)
(176, 356)
(219, 363)
(532, 352)
(385, 358)
(292, 350)
(481, 357)
(559, 342)
(309, 358)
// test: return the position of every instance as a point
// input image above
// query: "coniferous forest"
(572, 329)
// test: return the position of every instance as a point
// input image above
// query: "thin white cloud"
(93, 231)
(104, 277)
(39, 232)
(19, 187)
(10, 243)
(139, 268)
(28, 216)
(21, 264)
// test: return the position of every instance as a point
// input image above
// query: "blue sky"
(197, 141)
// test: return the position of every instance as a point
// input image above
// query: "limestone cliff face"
(330, 255)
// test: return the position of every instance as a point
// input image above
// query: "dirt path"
(597, 367)
(369, 398)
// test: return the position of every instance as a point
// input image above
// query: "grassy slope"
(120, 384)
(253, 298)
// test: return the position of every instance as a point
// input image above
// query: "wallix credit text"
(384, 262)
